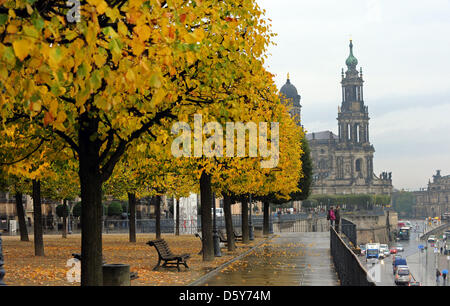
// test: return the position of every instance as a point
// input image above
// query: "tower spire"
(351, 61)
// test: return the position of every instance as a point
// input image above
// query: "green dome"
(351, 61)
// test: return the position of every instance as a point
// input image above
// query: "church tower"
(343, 164)
(353, 119)
(353, 116)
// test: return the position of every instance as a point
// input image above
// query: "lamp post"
(270, 220)
(2, 271)
(216, 241)
(251, 236)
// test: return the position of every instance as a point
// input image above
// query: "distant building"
(289, 96)
(343, 163)
(434, 200)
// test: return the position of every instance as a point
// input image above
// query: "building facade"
(434, 200)
(343, 163)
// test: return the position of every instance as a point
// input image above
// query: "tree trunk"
(158, 216)
(21, 216)
(228, 222)
(64, 228)
(132, 221)
(266, 218)
(206, 205)
(177, 225)
(244, 216)
(91, 199)
(37, 216)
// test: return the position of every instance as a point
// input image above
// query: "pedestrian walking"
(337, 216)
(331, 216)
(444, 274)
(438, 273)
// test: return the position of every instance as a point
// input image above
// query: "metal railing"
(348, 228)
(301, 222)
(348, 267)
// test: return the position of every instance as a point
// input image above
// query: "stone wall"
(374, 228)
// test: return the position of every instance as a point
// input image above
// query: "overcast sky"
(403, 47)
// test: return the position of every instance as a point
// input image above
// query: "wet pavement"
(289, 259)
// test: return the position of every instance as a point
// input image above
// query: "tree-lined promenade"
(87, 109)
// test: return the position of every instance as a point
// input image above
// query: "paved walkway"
(289, 259)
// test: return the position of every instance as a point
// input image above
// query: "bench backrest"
(237, 233)
(222, 235)
(161, 247)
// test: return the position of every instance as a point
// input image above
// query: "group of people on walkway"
(334, 215)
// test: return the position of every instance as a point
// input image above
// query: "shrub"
(115, 209)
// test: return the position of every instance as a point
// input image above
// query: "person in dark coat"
(337, 215)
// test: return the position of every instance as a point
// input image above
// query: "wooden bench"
(166, 255)
(133, 275)
(223, 236)
(237, 235)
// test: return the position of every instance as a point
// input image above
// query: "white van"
(219, 212)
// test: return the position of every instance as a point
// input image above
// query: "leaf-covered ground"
(23, 268)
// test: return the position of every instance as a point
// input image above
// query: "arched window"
(349, 135)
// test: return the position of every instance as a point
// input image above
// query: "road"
(422, 265)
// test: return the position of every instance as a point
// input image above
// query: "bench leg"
(185, 264)
(178, 265)
(157, 265)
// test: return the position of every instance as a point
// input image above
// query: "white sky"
(403, 47)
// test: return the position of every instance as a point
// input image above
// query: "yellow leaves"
(130, 76)
(143, 31)
(22, 48)
(12, 29)
(158, 97)
(99, 60)
(48, 118)
(100, 5)
(190, 57)
(53, 107)
(35, 107)
(155, 80)
(55, 56)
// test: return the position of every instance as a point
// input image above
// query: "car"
(399, 248)
(398, 262)
(402, 275)
(414, 283)
(384, 248)
(393, 250)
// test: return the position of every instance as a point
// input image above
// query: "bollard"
(116, 275)
(2, 270)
